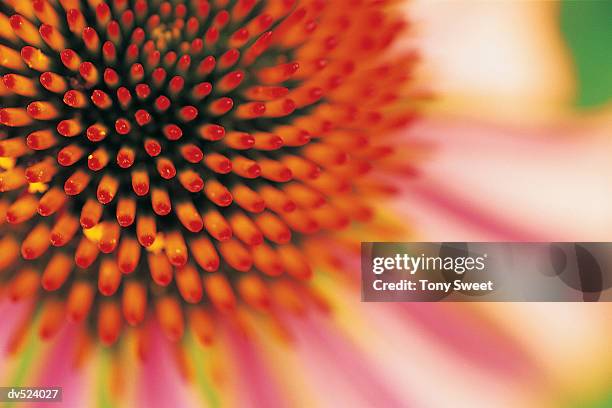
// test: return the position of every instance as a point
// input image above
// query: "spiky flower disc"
(176, 152)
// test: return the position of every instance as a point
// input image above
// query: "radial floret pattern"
(176, 154)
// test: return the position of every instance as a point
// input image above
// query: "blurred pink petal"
(495, 182)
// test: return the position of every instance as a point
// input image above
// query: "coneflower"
(172, 155)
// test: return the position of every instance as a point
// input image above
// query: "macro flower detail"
(172, 159)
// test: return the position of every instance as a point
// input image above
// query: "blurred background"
(522, 122)
(522, 135)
